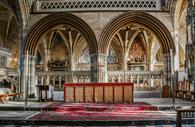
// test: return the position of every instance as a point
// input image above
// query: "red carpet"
(100, 107)
(100, 112)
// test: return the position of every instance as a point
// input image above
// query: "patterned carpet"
(100, 112)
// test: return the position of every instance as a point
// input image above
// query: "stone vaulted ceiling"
(8, 27)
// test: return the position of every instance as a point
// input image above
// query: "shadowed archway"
(52, 20)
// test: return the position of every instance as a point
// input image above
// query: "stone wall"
(98, 20)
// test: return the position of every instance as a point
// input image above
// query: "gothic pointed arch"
(35, 33)
(9, 32)
(140, 18)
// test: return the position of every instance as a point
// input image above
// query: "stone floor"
(162, 103)
(18, 111)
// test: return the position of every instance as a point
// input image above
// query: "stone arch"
(14, 15)
(10, 29)
(51, 20)
(143, 19)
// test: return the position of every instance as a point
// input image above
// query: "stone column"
(24, 77)
(125, 61)
(167, 70)
(21, 61)
(46, 60)
(125, 66)
(32, 83)
(94, 67)
(72, 63)
(192, 68)
(99, 71)
(28, 78)
(192, 62)
(176, 58)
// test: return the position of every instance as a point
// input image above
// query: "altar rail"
(58, 78)
(143, 81)
(98, 92)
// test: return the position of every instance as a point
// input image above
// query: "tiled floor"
(165, 102)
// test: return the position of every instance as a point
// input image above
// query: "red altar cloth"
(98, 92)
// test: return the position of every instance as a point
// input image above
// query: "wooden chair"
(187, 88)
(178, 91)
(166, 91)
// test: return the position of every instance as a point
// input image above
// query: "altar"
(98, 92)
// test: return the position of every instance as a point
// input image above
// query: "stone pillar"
(102, 68)
(72, 63)
(192, 62)
(176, 58)
(21, 61)
(192, 68)
(167, 70)
(28, 79)
(32, 83)
(47, 76)
(99, 71)
(24, 77)
(46, 60)
(94, 67)
(125, 61)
